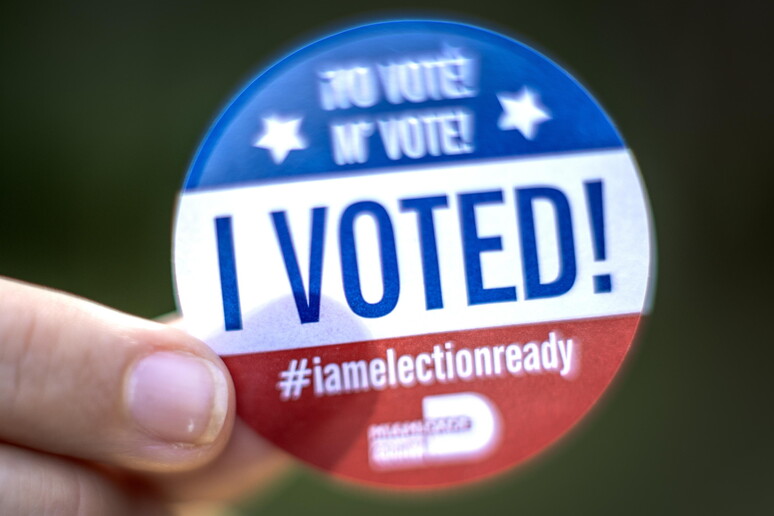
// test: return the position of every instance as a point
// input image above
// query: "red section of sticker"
(433, 409)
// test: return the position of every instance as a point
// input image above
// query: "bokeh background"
(103, 105)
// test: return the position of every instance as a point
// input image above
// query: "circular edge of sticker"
(310, 43)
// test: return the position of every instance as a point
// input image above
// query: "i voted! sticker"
(421, 248)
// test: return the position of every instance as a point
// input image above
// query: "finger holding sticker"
(421, 248)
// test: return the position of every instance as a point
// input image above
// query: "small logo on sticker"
(455, 428)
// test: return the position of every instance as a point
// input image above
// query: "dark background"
(103, 106)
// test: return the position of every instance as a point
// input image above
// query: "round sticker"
(421, 248)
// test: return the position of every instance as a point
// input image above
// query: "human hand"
(106, 413)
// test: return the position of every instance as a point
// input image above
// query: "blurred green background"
(103, 105)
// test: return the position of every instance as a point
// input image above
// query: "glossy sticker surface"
(422, 249)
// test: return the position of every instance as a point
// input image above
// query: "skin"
(68, 443)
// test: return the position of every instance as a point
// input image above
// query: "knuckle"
(18, 330)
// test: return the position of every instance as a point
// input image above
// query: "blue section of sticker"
(398, 93)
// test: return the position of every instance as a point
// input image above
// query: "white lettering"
(415, 135)
(346, 87)
(548, 353)
(350, 141)
(377, 370)
(565, 350)
(448, 76)
(532, 358)
(406, 370)
(513, 359)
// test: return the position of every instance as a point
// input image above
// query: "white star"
(522, 111)
(280, 136)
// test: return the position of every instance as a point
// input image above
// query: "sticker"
(421, 248)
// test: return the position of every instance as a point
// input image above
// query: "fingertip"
(178, 397)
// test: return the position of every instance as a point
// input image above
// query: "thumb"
(85, 381)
